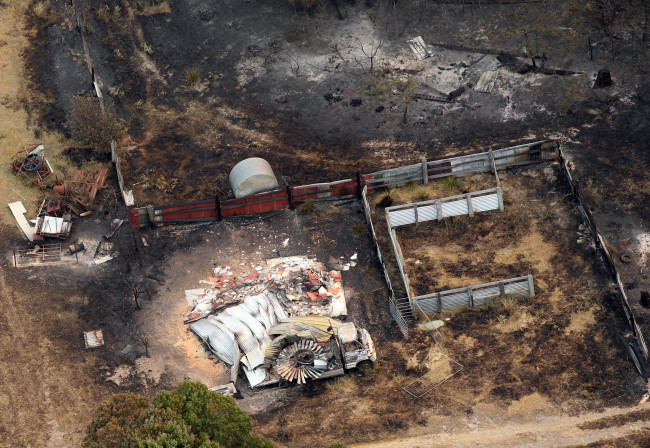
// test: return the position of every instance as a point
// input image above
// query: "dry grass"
(530, 406)
(15, 130)
(416, 191)
(161, 8)
(582, 321)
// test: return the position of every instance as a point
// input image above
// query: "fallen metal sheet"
(487, 81)
(419, 48)
(93, 339)
(18, 210)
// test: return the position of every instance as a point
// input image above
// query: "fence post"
(359, 186)
(470, 209)
(531, 286)
(471, 296)
(290, 198)
(425, 171)
(217, 204)
(502, 289)
(415, 211)
(439, 210)
(439, 302)
(500, 198)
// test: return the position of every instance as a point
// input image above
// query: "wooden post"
(502, 289)
(471, 297)
(439, 210)
(500, 198)
(493, 165)
(290, 198)
(425, 172)
(439, 303)
(470, 209)
(531, 286)
(415, 211)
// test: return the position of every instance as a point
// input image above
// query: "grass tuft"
(192, 76)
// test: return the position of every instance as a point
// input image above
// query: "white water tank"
(251, 176)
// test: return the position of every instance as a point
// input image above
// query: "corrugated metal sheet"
(486, 81)
(483, 295)
(485, 203)
(458, 299)
(429, 305)
(454, 208)
(518, 289)
(402, 217)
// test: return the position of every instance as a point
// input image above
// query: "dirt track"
(538, 432)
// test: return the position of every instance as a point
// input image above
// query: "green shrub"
(191, 416)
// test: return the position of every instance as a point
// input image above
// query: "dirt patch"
(618, 420)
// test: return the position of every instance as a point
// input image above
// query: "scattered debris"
(82, 186)
(53, 227)
(18, 210)
(487, 81)
(93, 339)
(419, 48)
(76, 247)
(32, 163)
(39, 255)
(304, 287)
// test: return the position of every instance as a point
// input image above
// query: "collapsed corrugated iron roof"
(294, 284)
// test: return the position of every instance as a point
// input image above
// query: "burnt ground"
(297, 89)
(312, 111)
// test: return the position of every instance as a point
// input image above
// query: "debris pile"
(253, 320)
(303, 286)
(32, 163)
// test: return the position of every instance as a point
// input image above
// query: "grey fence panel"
(481, 296)
(471, 163)
(397, 316)
(519, 286)
(455, 208)
(485, 203)
(428, 305)
(456, 300)
(517, 289)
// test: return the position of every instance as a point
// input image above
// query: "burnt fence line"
(292, 196)
(588, 219)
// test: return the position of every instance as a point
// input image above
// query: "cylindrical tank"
(251, 176)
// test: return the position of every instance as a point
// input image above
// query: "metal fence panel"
(455, 208)
(402, 217)
(485, 203)
(481, 296)
(458, 299)
(428, 305)
(397, 316)
(517, 289)
(427, 213)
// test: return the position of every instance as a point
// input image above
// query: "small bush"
(378, 88)
(92, 128)
(192, 77)
(449, 183)
(147, 48)
(405, 86)
(359, 227)
(308, 207)
(337, 445)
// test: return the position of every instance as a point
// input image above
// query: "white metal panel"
(485, 203)
(402, 217)
(454, 208)
(427, 213)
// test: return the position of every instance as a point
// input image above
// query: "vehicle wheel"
(365, 366)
